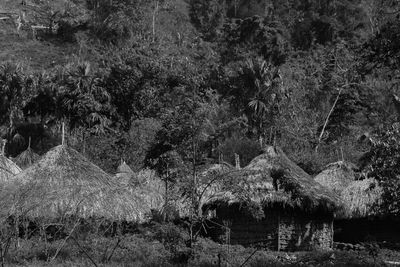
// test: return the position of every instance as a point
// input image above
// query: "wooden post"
(279, 232)
(3, 148)
(63, 134)
(332, 233)
(341, 151)
(237, 161)
(29, 142)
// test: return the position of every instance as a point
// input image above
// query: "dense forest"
(172, 84)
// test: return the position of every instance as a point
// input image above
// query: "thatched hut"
(26, 158)
(272, 203)
(8, 169)
(125, 175)
(64, 183)
(337, 176)
(359, 194)
(359, 219)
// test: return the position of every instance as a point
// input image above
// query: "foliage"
(155, 81)
(207, 16)
(253, 36)
(383, 164)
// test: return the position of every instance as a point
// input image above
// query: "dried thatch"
(64, 183)
(125, 175)
(210, 181)
(26, 158)
(151, 190)
(273, 179)
(360, 198)
(8, 169)
(337, 176)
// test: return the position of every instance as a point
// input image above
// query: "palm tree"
(262, 92)
(12, 95)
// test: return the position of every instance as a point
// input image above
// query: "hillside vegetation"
(174, 85)
(203, 78)
(196, 81)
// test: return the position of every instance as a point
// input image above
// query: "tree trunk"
(327, 119)
(154, 20)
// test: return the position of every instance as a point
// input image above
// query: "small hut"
(273, 204)
(64, 183)
(125, 175)
(27, 157)
(8, 169)
(337, 176)
(359, 194)
(359, 218)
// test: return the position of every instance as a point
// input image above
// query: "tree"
(258, 94)
(118, 21)
(83, 103)
(382, 163)
(207, 16)
(13, 94)
(254, 37)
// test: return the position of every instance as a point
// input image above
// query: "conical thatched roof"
(26, 158)
(65, 183)
(8, 169)
(125, 175)
(124, 168)
(273, 179)
(361, 198)
(358, 196)
(337, 176)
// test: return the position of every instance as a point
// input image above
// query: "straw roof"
(273, 179)
(337, 176)
(124, 168)
(65, 183)
(26, 158)
(8, 169)
(361, 198)
(210, 180)
(125, 175)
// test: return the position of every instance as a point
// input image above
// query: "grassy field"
(38, 55)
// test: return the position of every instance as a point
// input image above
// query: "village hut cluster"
(64, 184)
(271, 203)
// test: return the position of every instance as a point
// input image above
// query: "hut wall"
(299, 232)
(245, 230)
(288, 231)
(249, 232)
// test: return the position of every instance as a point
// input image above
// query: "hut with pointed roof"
(337, 176)
(8, 169)
(273, 204)
(359, 218)
(359, 194)
(64, 183)
(27, 157)
(125, 175)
